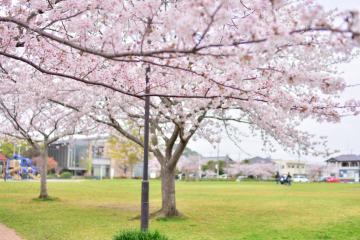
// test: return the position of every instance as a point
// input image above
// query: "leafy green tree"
(211, 166)
(9, 148)
(123, 152)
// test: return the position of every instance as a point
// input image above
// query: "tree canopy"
(211, 63)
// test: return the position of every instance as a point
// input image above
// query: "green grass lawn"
(96, 210)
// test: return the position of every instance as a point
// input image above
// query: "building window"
(98, 151)
(343, 174)
(344, 164)
(353, 164)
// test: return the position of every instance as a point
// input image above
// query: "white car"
(300, 179)
(224, 176)
(240, 178)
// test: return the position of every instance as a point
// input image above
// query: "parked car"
(332, 180)
(224, 176)
(240, 178)
(321, 179)
(300, 179)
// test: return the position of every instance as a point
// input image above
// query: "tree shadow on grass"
(179, 218)
(48, 199)
(158, 216)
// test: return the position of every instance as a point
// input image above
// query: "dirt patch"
(7, 233)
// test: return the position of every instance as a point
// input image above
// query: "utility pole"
(145, 180)
(218, 161)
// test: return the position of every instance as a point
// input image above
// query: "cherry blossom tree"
(51, 163)
(190, 165)
(211, 63)
(315, 171)
(257, 170)
(39, 122)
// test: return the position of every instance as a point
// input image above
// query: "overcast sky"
(344, 136)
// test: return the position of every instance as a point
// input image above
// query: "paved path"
(8, 234)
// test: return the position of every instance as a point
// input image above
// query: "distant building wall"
(75, 155)
(290, 166)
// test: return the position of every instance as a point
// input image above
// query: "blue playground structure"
(19, 167)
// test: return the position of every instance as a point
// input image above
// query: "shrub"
(139, 235)
(66, 175)
(52, 164)
(52, 176)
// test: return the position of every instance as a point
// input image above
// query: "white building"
(293, 167)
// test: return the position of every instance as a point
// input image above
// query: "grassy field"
(96, 210)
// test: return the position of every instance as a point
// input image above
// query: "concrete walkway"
(8, 234)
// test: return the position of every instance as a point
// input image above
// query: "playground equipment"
(20, 167)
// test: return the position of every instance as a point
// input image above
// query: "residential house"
(226, 159)
(257, 159)
(346, 167)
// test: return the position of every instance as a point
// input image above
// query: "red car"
(332, 180)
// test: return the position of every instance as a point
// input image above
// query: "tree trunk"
(43, 172)
(168, 192)
(4, 169)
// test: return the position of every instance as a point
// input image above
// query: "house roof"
(345, 157)
(258, 159)
(219, 158)
(289, 161)
(81, 139)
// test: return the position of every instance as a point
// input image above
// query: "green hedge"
(66, 175)
(139, 235)
(52, 176)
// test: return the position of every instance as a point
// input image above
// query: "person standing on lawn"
(277, 177)
(288, 179)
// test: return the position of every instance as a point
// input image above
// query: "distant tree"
(211, 166)
(315, 171)
(8, 148)
(124, 152)
(189, 152)
(189, 165)
(51, 163)
(89, 165)
(257, 170)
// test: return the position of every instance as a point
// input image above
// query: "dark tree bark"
(169, 156)
(168, 169)
(168, 208)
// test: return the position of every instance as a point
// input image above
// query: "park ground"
(96, 210)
